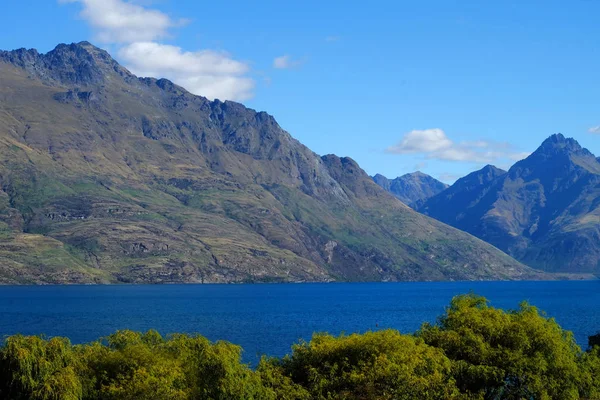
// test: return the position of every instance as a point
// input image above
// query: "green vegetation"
(474, 351)
(143, 182)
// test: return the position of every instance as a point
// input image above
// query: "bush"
(38, 369)
(374, 365)
(506, 355)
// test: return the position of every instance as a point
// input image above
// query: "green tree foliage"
(37, 369)
(275, 377)
(127, 366)
(506, 355)
(590, 374)
(474, 351)
(130, 365)
(374, 365)
(590, 369)
(215, 370)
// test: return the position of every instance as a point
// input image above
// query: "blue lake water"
(268, 319)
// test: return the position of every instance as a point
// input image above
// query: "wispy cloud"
(285, 62)
(435, 144)
(117, 21)
(210, 73)
(595, 130)
(425, 141)
(332, 39)
(137, 31)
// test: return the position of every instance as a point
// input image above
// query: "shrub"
(374, 365)
(506, 355)
(32, 368)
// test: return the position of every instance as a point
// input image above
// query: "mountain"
(453, 206)
(107, 177)
(545, 211)
(411, 188)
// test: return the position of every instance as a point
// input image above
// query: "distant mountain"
(545, 211)
(107, 177)
(411, 188)
(454, 205)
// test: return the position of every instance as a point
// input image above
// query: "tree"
(129, 365)
(374, 365)
(474, 351)
(506, 355)
(215, 371)
(32, 368)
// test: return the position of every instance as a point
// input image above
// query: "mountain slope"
(545, 211)
(455, 205)
(109, 177)
(411, 188)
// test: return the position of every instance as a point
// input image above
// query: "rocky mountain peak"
(418, 174)
(77, 64)
(482, 176)
(411, 188)
(492, 168)
(559, 142)
(557, 153)
(23, 58)
(82, 63)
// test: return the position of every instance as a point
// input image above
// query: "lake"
(269, 318)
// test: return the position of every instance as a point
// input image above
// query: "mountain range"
(412, 188)
(108, 177)
(544, 211)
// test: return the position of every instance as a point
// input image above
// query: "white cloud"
(136, 29)
(208, 73)
(285, 62)
(435, 144)
(594, 129)
(118, 21)
(482, 144)
(425, 141)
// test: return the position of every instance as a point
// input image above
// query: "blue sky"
(441, 86)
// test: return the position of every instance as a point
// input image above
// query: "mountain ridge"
(107, 177)
(543, 211)
(411, 188)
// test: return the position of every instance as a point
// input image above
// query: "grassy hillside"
(136, 180)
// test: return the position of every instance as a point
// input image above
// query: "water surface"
(268, 319)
